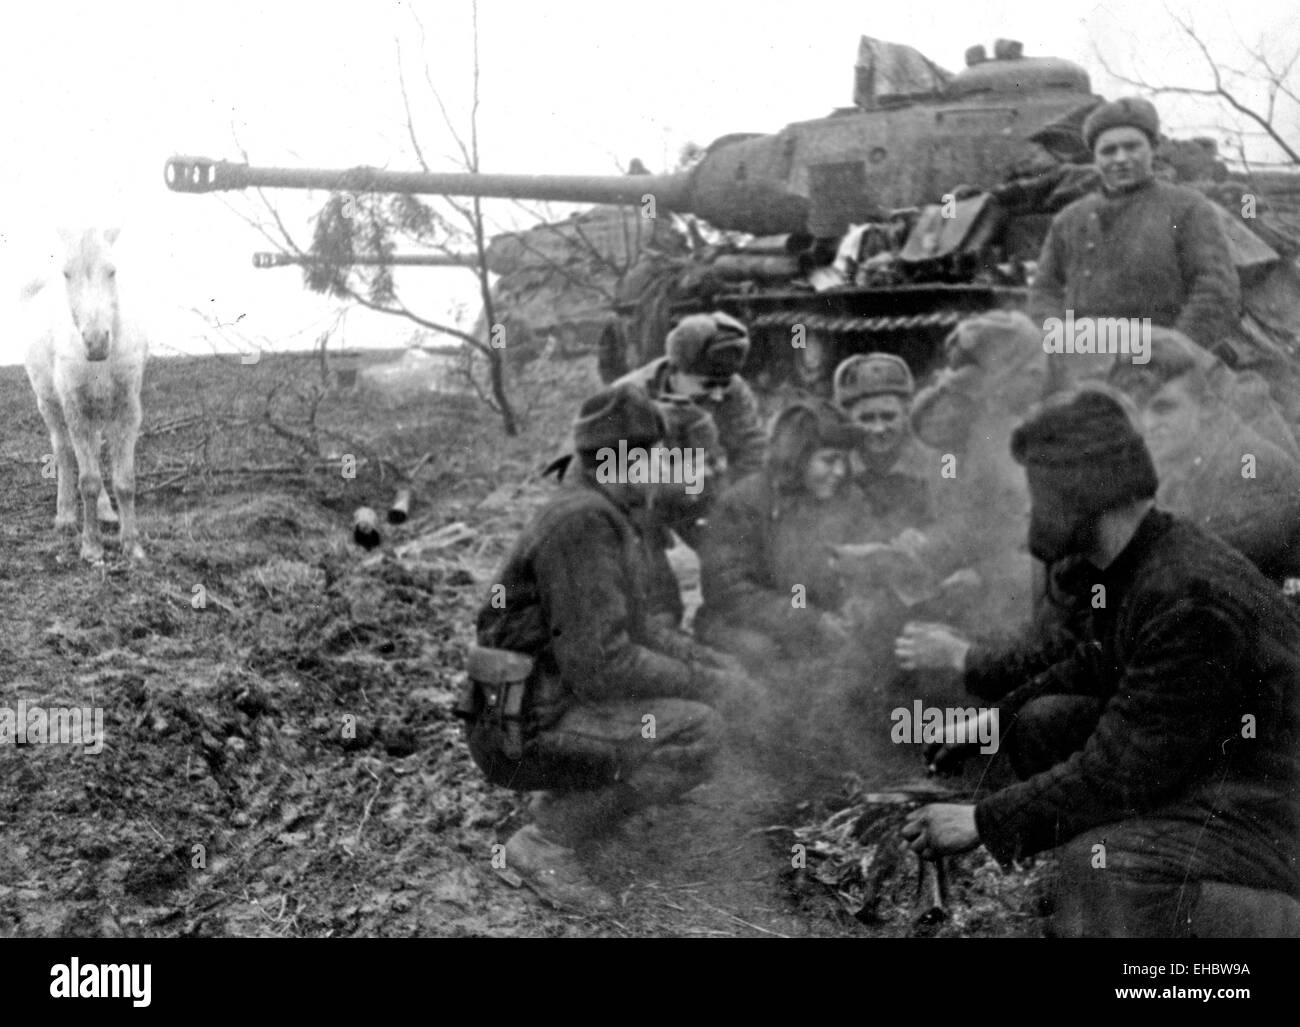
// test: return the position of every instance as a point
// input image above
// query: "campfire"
(847, 852)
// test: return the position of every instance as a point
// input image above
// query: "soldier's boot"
(553, 871)
(543, 853)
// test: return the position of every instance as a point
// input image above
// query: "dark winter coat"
(760, 544)
(580, 589)
(900, 497)
(1156, 251)
(1197, 658)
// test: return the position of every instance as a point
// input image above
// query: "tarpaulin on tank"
(888, 72)
(1247, 249)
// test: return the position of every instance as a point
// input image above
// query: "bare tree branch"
(1221, 91)
(406, 106)
(473, 111)
(437, 96)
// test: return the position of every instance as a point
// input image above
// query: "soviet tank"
(879, 226)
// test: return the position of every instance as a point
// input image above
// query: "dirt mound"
(262, 515)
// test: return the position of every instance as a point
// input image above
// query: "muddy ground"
(279, 756)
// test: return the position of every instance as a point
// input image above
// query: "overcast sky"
(96, 96)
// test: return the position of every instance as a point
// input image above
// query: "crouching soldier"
(1159, 755)
(576, 692)
(702, 362)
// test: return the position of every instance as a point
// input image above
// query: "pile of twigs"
(851, 849)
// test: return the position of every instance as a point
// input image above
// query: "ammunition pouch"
(494, 697)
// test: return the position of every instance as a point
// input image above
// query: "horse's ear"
(111, 234)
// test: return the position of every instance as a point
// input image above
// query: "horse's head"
(90, 277)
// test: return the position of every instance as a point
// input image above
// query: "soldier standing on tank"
(572, 663)
(891, 466)
(1141, 247)
(702, 361)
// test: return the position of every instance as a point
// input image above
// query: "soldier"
(702, 362)
(1141, 247)
(1160, 755)
(691, 430)
(571, 661)
(681, 510)
(995, 367)
(767, 571)
(891, 467)
(691, 438)
(1232, 477)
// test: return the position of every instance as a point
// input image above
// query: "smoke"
(828, 710)
(825, 709)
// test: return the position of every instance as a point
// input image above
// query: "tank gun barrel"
(812, 178)
(721, 189)
(265, 260)
(205, 175)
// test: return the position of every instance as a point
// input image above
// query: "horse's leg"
(65, 466)
(104, 505)
(122, 434)
(89, 482)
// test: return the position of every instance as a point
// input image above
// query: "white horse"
(85, 360)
